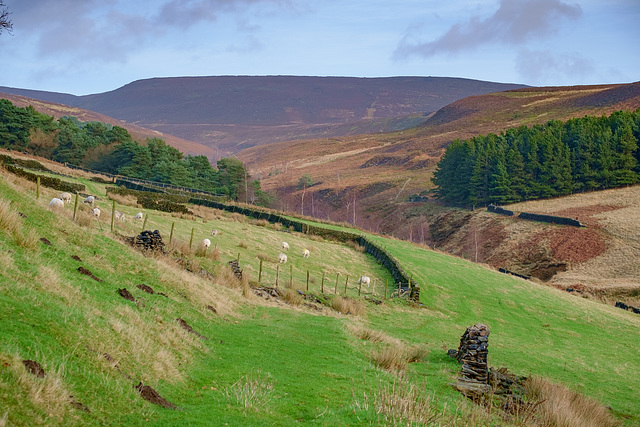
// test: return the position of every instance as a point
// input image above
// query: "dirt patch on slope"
(576, 245)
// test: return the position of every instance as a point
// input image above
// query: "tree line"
(106, 148)
(542, 161)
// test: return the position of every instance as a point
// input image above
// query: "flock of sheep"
(59, 202)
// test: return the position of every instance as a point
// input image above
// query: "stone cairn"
(147, 241)
(472, 354)
(476, 379)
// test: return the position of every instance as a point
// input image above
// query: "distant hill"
(234, 112)
(380, 171)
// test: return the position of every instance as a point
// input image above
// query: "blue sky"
(92, 46)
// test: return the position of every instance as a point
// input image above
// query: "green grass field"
(264, 362)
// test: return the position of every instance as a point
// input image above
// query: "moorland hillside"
(234, 112)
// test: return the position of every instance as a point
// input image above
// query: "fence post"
(75, 207)
(260, 271)
(360, 286)
(277, 274)
(322, 286)
(374, 287)
(336, 289)
(144, 223)
(399, 289)
(386, 285)
(345, 284)
(238, 259)
(307, 280)
(113, 214)
(37, 187)
(173, 224)
(291, 276)
(190, 240)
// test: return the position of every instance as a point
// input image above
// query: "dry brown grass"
(291, 296)
(243, 244)
(126, 200)
(9, 218)
(27, 239)
(560, 406)
(348, 306)
(181, 247)
(356, 246)
(260, 222)
(372, 335)
(396, 357)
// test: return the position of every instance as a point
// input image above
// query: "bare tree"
(5, 22)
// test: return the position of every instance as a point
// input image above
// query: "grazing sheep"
(206, 243)
(214, 232)
(90, 200)
(56, 203)
(96, 212)
(306, 253)
(285, 246)
(138, 216)
(119, 216)
(65, 197)
(364, 280)
(282, 258)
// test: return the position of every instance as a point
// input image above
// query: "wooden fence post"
(75, 207)
(322, 286)
(307, 280)
(238, 259)
(399, 289)
(360, 286)
(260, 271)
(173, 224)
(190, 240)
(336, 289)
(113, 214)
(386, 285)
(144, 223)
(345, 285)
(277, 274)
(37, 187)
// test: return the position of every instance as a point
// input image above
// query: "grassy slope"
(64, 320)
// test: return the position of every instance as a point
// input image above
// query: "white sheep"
(285, 246)
(138, 216)
(206, 243)
(90, 200)
(65, 197)
(306, 253)
(95, 212)
(119, 216)
(214, 232)
(365, 281)
(282, 258)
(56, 203)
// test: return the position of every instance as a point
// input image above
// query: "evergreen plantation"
(105, 148)
(555, 159)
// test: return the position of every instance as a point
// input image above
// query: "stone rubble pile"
(147, 241)
(235, 267)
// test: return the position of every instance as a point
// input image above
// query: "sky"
(93, 46)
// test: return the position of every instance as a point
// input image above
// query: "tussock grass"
(180, 247)
(291, 296)
(9, 218)
(396, 357)
(560, 406)
(253, 391)
(27, 239)
(372, 335)
(355, 246)
(260, 222)
(127, 200)
(243, 244)
(348, 306)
